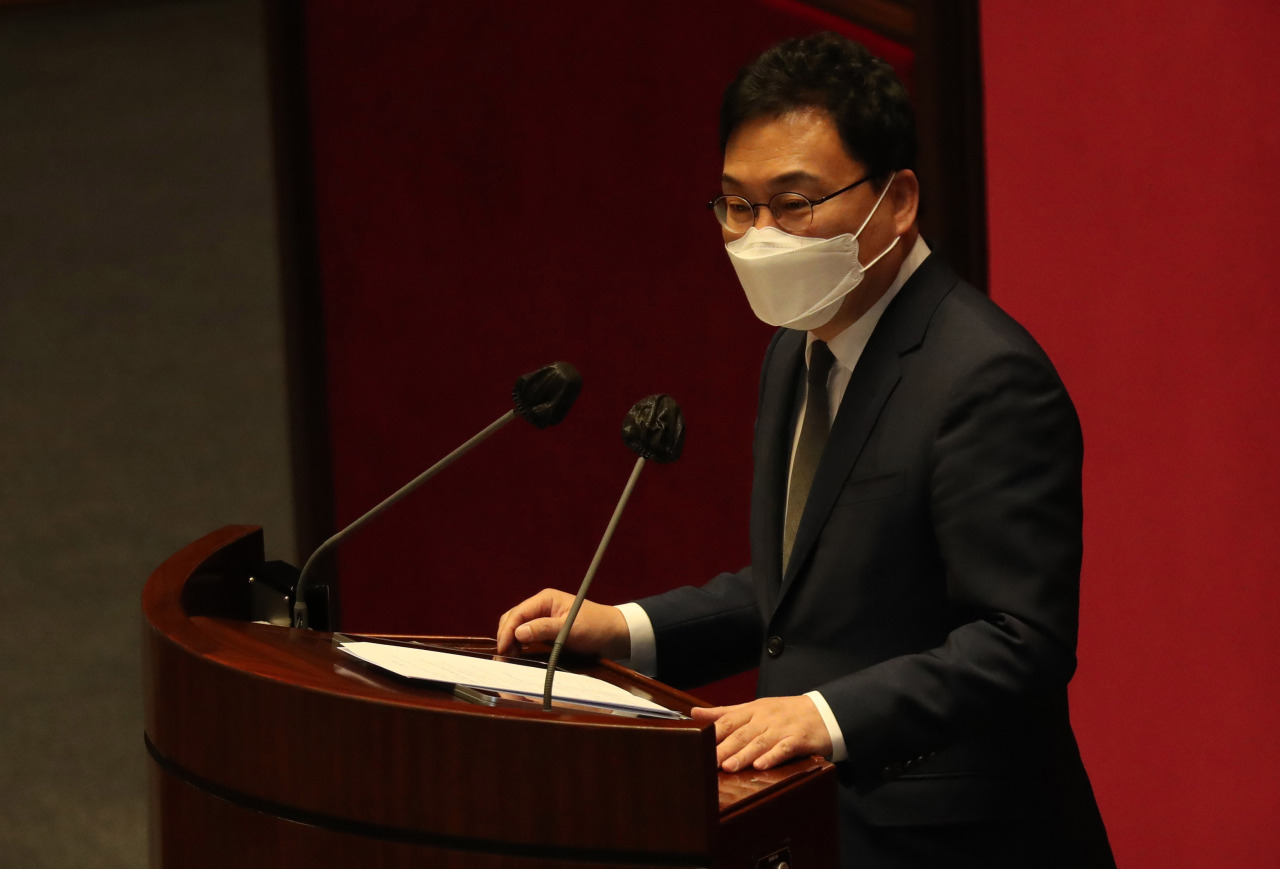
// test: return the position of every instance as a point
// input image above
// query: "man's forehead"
(795, 176)
(793, 148)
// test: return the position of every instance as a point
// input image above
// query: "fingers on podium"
(542, 605)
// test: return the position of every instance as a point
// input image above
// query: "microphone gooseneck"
(654, 429)
(543, 397)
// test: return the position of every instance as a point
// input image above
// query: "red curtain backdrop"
(1133, 181)
(501, 185)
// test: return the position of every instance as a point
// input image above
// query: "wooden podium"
(270, 747)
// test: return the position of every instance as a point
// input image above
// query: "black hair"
(867, 102)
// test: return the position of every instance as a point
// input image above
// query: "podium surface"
(271, 747)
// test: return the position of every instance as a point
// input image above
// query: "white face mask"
(796, 281)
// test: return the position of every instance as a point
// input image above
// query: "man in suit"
(913, 594)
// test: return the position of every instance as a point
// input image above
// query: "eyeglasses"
(791, 211)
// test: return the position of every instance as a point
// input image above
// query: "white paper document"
(490, 675)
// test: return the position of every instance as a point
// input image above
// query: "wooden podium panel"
(271, 747)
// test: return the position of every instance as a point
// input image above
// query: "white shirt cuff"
(838, 752)
(644, 646)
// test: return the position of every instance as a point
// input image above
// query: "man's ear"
(904, 195)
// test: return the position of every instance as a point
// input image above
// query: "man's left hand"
(766, 732)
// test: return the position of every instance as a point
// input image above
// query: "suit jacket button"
(774, 647)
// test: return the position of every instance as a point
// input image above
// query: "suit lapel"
(901, 329)
(784, 368)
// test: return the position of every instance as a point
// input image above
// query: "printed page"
(491, 675)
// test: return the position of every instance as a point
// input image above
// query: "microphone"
(654, 430)
(543, 397)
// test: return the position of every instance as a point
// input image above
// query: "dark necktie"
(813, 438)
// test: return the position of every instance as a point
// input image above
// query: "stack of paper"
(505, 676)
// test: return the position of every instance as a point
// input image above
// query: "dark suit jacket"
(933, 594)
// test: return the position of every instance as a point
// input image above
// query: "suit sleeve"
(706, 633)
(1005, 477)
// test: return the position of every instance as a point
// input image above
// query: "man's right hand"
(598, 629)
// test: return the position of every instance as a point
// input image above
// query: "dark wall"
(141, 379)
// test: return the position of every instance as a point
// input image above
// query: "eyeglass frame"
(756, 206)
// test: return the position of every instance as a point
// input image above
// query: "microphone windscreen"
(544, 396)
(655, 428)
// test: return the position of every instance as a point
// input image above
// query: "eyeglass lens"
(791, 211)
